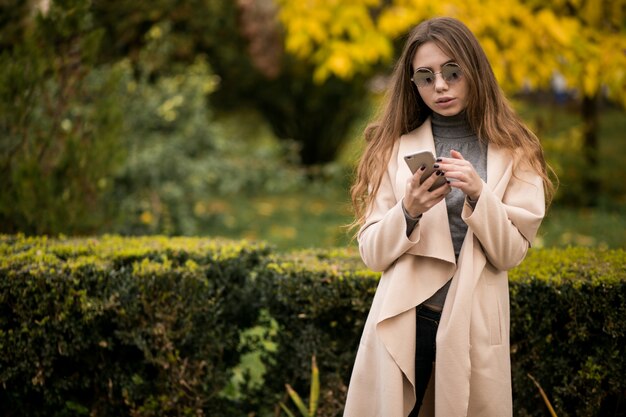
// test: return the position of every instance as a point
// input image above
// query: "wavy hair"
(489, 113)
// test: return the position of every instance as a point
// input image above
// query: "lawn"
(316, 214)
(319, 217)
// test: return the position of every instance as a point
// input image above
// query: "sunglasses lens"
(451, 73)
(423, 78)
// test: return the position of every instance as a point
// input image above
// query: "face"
(447, 98)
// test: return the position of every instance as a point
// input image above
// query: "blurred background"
(243, 118)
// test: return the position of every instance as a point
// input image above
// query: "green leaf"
(315, 388)
(286, 410)
(297, 401)
(543, 395)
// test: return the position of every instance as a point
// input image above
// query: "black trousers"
(427, 322)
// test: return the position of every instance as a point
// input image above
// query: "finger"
(431, 180)
(456, 154)
(419, 172)
(417, 176)
(449, 164)
(442, 190)
(461, 166)
(457, 175)
(458, 184)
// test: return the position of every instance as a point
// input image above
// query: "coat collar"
(435, 239)
(435, 221)
(497, 165)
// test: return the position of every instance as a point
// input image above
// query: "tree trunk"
(590, 149)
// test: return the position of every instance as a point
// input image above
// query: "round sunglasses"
(450, 72)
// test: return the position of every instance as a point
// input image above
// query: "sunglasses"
(450, 72)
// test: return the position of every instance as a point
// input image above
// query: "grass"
(288, 221)
(564, 227)
(318, 218)
(316, 214)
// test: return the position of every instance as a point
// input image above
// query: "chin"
(448, 112)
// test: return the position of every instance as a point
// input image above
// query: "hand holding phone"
(424, 159)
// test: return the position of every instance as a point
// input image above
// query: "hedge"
(568, 330)
(157, 326)
(122, 326)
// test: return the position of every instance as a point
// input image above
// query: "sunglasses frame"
(448, 79)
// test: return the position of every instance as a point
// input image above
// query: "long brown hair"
(488, 111)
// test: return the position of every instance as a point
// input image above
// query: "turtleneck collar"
(451, 127)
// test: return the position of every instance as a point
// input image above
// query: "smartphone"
(424, 158)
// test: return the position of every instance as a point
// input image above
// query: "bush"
(320, 300)
(157, 327)
(111, 326)
(568, 309)
(568, 315)
(59, 123)
(130, 147)
(180, 161)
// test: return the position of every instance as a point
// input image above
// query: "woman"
(440, 316)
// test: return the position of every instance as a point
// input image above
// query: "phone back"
(424, 159)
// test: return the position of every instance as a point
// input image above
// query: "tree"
(244, 45)
(593, 64)
(58, 145)
(527, 42)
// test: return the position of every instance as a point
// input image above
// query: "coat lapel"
(497, 165)
(404, 288)
(435, 238)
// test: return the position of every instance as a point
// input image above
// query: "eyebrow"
(450, 61)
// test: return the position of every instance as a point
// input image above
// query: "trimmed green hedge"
(158, 326)
(320, 300)
(122, 326)
(568, 330)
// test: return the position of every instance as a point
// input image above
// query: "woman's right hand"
(417, 199)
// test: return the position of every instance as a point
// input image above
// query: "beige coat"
(473, 373)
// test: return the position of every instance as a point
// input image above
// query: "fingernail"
(439, 172)
(436, 166)
(438, 160)
(448, 181)
(423, 167)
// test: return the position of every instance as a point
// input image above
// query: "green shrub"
(59, 125)
(320, 300)
(181, 164)
(156, 327)
(568, 315)
(568, 309)
(111, 326)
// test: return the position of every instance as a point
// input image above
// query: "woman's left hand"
(467, 179)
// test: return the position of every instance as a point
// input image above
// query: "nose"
(440, 83)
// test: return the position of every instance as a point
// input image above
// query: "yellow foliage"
(557, 29)
(146, 217)
(400, 16)
(527, 41)
(590, 80)
(612, 66)
(340, 38)
(339, 63)
(395, 20)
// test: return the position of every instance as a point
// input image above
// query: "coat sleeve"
(506, 227)
(383, 237)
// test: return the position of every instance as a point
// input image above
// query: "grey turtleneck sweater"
(453, 133)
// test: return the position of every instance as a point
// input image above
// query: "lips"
(444, 100)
